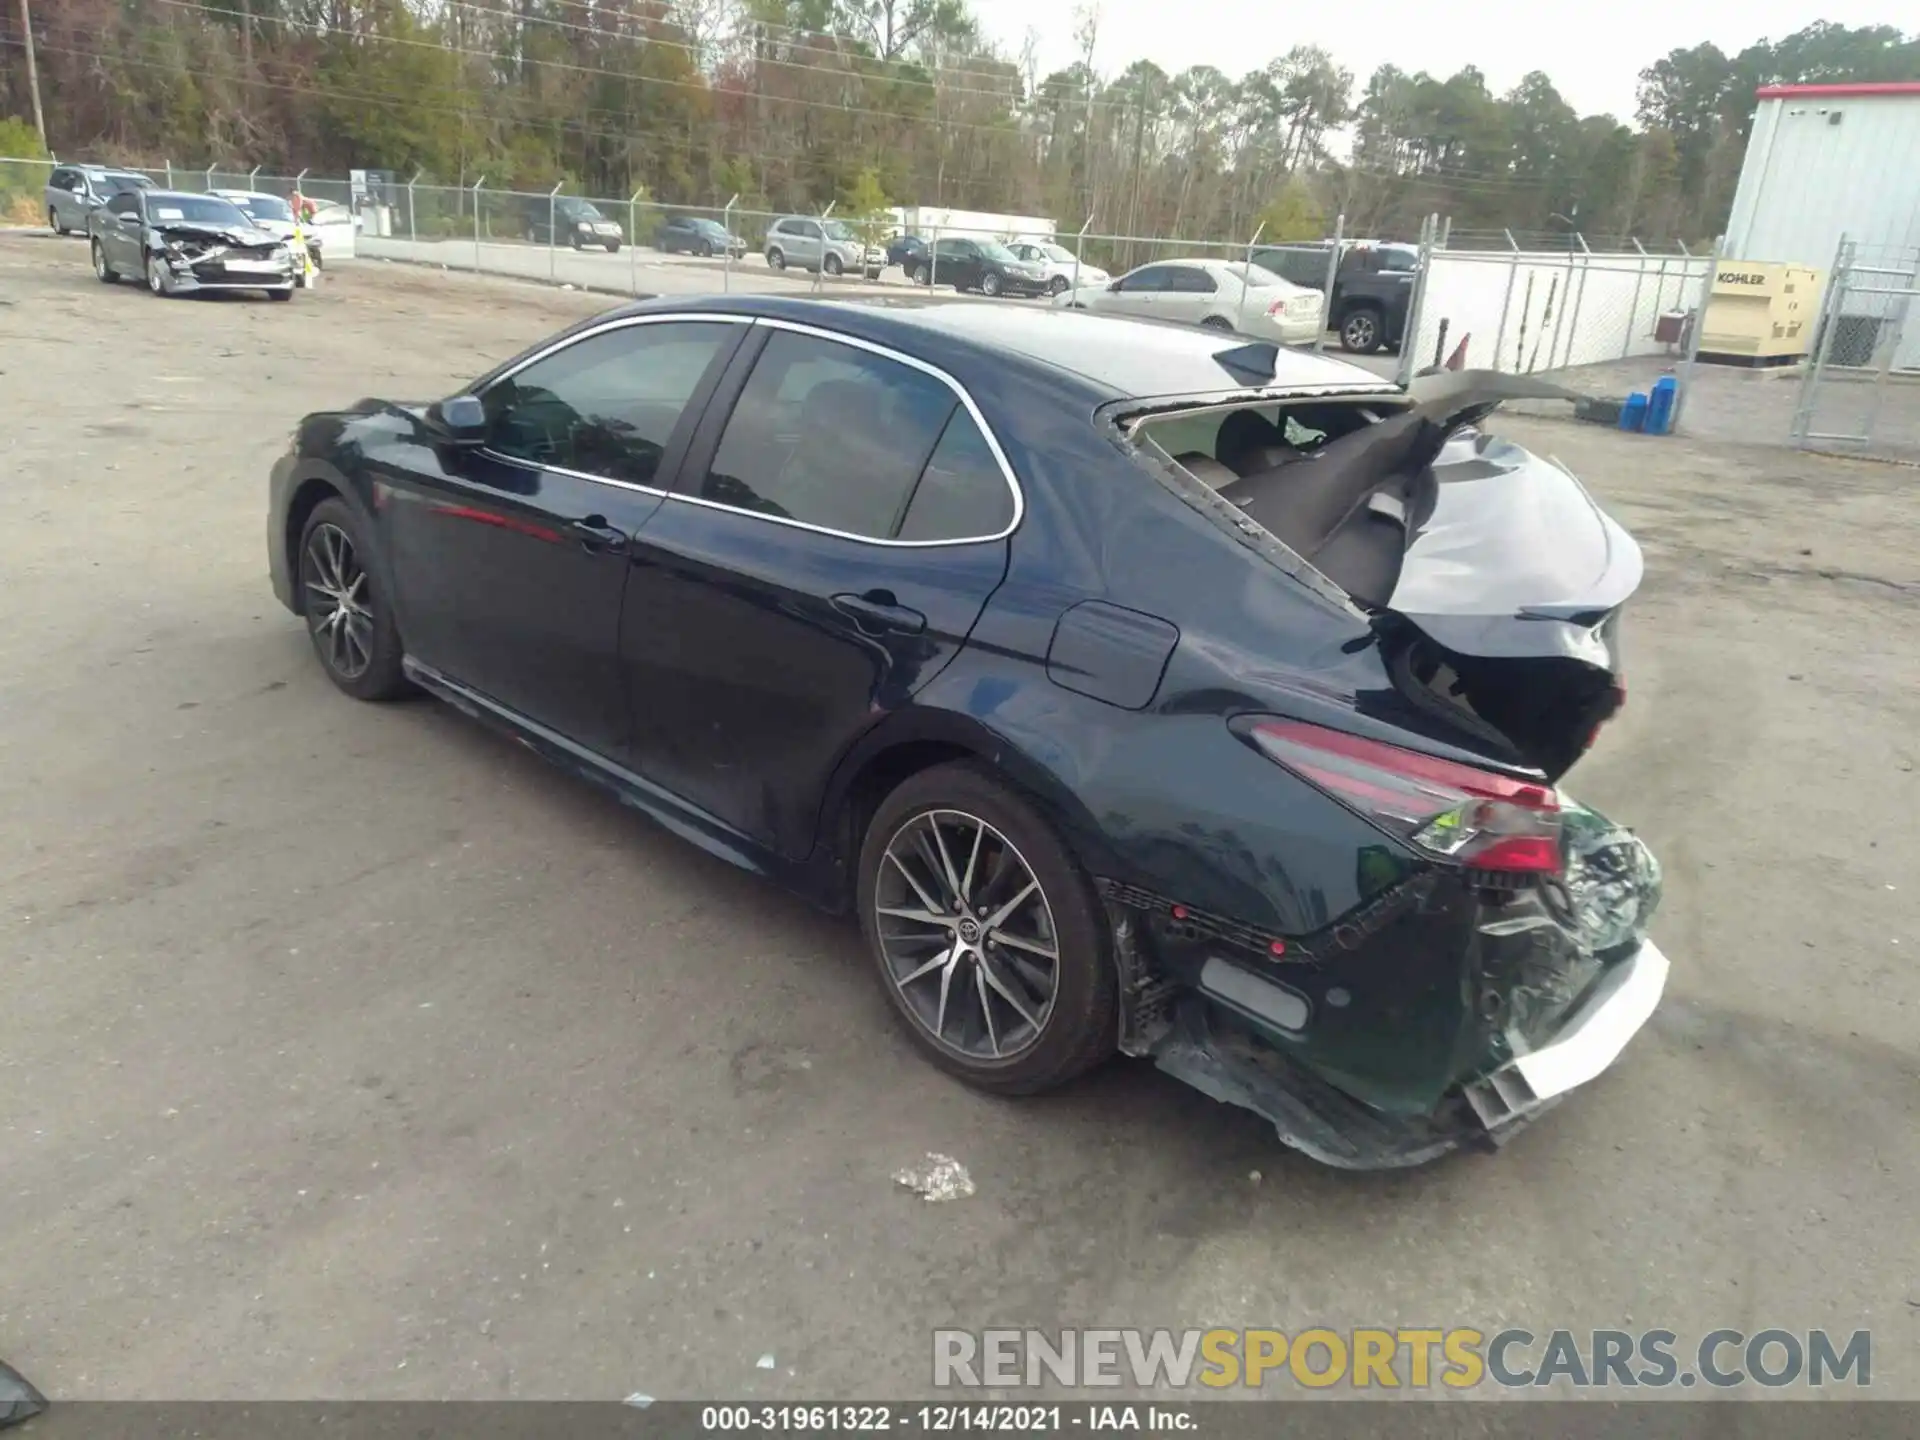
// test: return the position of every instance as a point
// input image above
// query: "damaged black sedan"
(180, 244)
(1140, 689)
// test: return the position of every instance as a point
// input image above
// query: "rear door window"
(836, 437)
(606, 406)
(1190, 280)
(1147, 280)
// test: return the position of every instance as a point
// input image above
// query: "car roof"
(186, 195)
(1124, 358)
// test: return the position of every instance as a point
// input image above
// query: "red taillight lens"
(1474, 818)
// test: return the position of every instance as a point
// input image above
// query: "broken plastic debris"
(766, 1362)
(638, 1401)
(19, 1401)
(938, 1177)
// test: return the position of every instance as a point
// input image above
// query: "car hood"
(244, 235)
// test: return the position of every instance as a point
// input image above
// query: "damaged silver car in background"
(180, 244)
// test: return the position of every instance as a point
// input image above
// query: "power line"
(700, 87)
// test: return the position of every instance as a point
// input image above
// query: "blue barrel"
(1633, 414)
(1660, 405)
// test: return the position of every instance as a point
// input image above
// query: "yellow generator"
(1760, 313)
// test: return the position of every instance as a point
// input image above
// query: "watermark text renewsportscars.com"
(1400, 1358)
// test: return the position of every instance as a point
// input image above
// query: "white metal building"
(1825, 161)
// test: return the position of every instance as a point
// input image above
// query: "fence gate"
(1861, 393)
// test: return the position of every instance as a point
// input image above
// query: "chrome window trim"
(623, 323)
(912, 362)
(796, 327)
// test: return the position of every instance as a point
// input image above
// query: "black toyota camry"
(1139, 688)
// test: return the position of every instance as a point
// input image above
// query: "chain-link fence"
(1861, 393)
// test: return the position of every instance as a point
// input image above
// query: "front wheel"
(101, 268)
(159, 278)
(348, 618)
(776, 260)
(986, 933)
(1057, 285)
(990, 284)
(613, 247)
(920, 275)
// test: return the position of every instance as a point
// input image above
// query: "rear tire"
(1361, 332)
(360, 651)
(53, 222)
(920, 275)
(1078, 1020)
(1216, 322)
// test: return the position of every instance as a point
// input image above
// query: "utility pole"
(246, 36)
(33, 76)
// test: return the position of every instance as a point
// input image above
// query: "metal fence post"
(933, 260)
(553, 232)
(476, 221)
(1633, 310)
(1246, 277)
(633, 241)
(1416, 304)
(209, 181)
(1693, 337)
(820, 268)
(726, 224)
(1506, 301)
(1080, 244)
(1333, 279)
(1573, 316)
(1822, 344)
(1446, 231)
(412, 234)
(253, 178)
(169, 165)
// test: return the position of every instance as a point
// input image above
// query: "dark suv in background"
(697, 235)
(1371, 292)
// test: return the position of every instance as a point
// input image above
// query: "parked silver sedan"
(1213, 293)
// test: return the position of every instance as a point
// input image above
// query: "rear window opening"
(1340, 482)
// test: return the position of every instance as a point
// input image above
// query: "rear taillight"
(1477, 819)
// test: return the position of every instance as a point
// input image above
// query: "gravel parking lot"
(351, 1052)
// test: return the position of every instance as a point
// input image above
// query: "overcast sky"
(1594, 53)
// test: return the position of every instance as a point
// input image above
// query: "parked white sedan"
(1062, 268)
(1213, 293)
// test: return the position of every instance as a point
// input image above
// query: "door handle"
(596, 535)
(878, 613)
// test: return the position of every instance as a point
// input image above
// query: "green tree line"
(792, 103)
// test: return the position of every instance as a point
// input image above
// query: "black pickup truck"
(1371, 292)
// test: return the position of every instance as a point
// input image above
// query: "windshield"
(197, 210)
(1057, 252)
(120, 184)
(837, 230)
(1398, 257)
(995, 251)
(265, 207)
(579, 210)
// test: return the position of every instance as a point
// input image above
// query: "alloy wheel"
(100, 262)
(990, 284)
(1359, 331)
(339, 608)
(967, 934)
(158, 281)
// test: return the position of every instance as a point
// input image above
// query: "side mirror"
(1113, 288)
(461, 421)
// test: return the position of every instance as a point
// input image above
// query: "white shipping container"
(924, 220)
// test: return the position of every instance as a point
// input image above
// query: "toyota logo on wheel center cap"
(969, 930)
